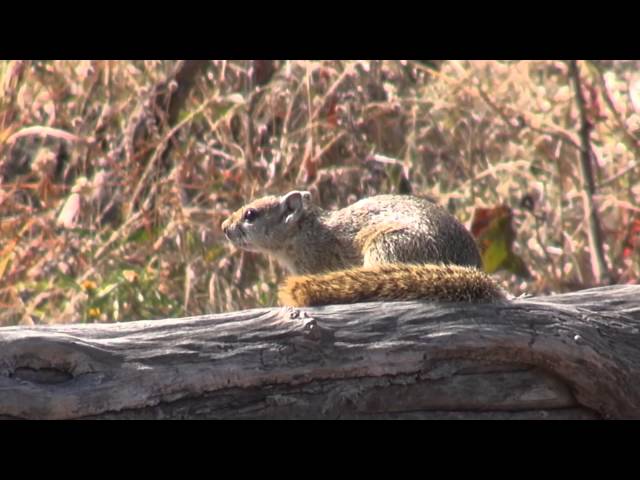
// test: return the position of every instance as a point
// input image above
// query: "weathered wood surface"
(568, 356)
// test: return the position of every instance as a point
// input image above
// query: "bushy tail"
(398, 281)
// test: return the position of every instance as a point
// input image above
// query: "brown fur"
(447, 283)
(387, 247)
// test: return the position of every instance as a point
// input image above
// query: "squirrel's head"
(267, 224)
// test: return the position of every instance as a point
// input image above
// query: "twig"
(631, 141)
(594, 232)
(164, 142)
(554, 131)
(168, 98)
(346, 72)
(42, 131)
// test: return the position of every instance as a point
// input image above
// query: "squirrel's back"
(418, 230)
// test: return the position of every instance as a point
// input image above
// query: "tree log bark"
(573, 355)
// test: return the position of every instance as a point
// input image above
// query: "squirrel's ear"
(294, 203)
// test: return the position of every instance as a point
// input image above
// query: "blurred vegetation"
(116, 175)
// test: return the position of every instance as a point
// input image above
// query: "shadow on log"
(570, 356)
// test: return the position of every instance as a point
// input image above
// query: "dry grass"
(111, 204)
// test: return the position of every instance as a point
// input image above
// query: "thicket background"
(116, 175)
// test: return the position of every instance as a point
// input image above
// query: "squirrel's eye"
(250, 215)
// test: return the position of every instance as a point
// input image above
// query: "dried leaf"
(68, 216)
(495, 234)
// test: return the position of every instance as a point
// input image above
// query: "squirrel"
(385, 247)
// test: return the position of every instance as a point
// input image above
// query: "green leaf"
(106, 290)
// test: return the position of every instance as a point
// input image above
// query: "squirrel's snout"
(225, 227)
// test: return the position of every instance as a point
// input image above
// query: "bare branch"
(594, 231)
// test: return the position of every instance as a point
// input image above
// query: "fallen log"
(569, 356)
